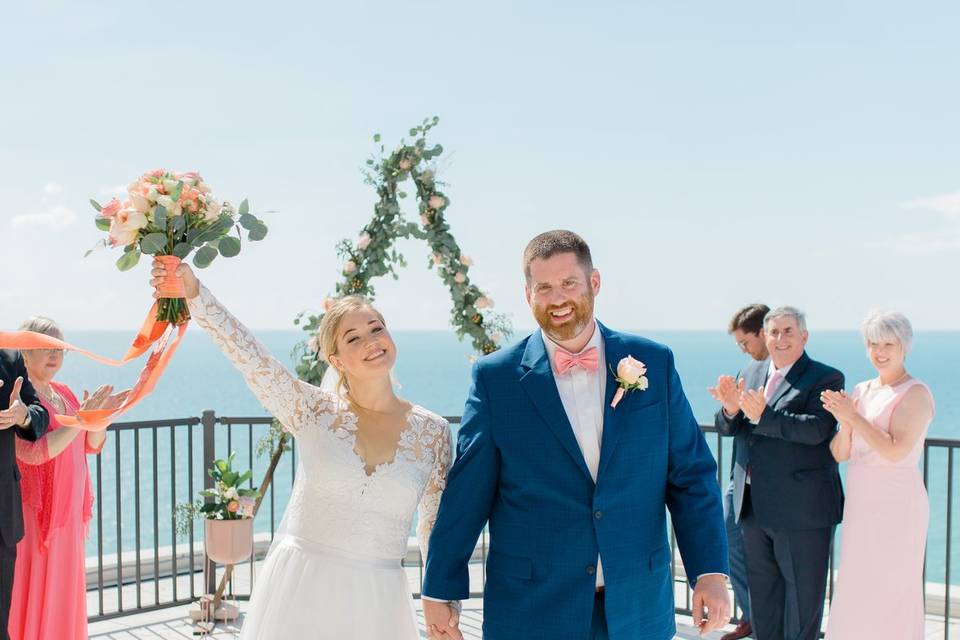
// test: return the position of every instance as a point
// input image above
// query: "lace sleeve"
(430, 502)
(289, 399)
(32, 452)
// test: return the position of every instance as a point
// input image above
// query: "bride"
(368, 460)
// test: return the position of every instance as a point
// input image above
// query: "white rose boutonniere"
(630, 374)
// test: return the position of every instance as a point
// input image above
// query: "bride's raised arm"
(289, 399)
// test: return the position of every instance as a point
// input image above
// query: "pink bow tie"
(563, 361)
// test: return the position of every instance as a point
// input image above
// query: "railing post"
(209, 421)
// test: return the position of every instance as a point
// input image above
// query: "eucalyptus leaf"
(229, 246)
(259, 232)
(96, 205)
(244, 207)
(179, 223)
(182, 249)
(248, 221)
(128, 260)
(204, 257)
(160, 217)
(153, 243)
(177, 190)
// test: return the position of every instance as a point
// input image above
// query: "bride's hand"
(191, 285)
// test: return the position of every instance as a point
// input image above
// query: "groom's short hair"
(550, 243)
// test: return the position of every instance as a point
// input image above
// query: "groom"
(574, 489)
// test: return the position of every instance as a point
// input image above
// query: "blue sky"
(712, 154)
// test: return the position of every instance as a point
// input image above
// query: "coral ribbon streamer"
(152, 334)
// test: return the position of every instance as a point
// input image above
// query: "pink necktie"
(563, 360)
(772, 383)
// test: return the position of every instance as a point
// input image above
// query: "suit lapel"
(541, 388)
(614, 350)
(792, 376)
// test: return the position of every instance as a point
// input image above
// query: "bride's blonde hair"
(330, 326)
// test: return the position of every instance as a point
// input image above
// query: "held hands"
(16, 412)
(102, 399)
(839, 404)
(711, 594)
(191, 285)
(442, 620)
(727, 392)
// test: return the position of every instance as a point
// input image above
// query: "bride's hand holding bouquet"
(170, 215)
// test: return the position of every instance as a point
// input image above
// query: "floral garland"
(373, 253)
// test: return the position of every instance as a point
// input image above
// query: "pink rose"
(140, 202)
(111, 208)
(328, 303)
(631, 370)
(466, 261)
(459, 278)
(350, 267)
(496, 337)
(436, 202)
(363, 241)
(483, 303)
(424, 219)
(213, 210)
(125, 227)
(437, 258)
(233, 506)
(405, 164)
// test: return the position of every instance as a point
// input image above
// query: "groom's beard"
(582, 315)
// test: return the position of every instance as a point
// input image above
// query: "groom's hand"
(442, 620)
(711, 594)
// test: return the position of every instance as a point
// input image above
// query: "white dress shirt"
(582, 393)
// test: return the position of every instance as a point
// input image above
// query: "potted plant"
(227, 514)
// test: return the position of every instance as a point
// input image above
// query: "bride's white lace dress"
(335, 572)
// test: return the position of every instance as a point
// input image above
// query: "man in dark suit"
(787, 491)
(746, 327)
(21, 415)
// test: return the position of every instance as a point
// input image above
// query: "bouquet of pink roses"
(169, 215)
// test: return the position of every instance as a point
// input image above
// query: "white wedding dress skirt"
(333, 571)
(309, 591)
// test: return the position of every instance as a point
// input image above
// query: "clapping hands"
(103, 398)
(735, 397)
(727, 392)
(839, 404)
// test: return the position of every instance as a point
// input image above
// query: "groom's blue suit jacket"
(520, 468)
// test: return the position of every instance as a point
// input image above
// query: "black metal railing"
(141, 565)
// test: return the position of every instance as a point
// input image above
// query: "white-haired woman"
(369, 460)
(882, 428)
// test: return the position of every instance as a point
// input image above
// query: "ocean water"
(434, 370)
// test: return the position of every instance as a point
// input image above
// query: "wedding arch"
(373, 255)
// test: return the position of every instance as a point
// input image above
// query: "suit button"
(598, 514)
(591, 569)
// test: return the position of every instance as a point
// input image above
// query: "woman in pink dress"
(882, 429)
(49, 585)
